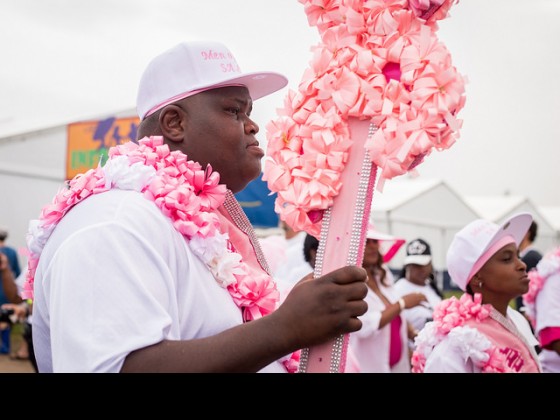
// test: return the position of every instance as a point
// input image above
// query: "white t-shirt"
(419, 315)
(116, 276)
(289, 272)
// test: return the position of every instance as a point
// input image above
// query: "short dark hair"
(533, 231)
(310, 242)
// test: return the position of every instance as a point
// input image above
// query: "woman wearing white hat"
(381, 345)
(480, 332)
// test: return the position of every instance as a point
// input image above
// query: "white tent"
(501, 207)
(552, 215)
(420, 208)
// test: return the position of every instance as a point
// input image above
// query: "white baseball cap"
(418, 252)
(193, 67)
(473, 245)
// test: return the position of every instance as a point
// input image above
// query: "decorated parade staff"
(379, 95)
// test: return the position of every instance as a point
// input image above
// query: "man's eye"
(234, 110)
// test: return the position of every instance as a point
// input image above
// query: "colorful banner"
(257, 202)
(89, 141)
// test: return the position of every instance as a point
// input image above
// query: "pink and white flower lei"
(185, 193)
(378, 60)
(449, 318)
(547, 266)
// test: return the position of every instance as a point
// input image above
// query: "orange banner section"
(89, 141)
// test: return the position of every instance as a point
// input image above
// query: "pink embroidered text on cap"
(193, 67)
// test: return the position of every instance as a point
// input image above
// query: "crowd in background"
(399, 307)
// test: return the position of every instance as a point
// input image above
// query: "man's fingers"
(349, 274)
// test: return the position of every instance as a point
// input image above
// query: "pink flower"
(431, 9)
(449, 317)
(291, 363)
(418, 362)
(378, 59)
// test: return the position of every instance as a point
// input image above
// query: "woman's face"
(504, 274)
(418, 274)
(372, 256)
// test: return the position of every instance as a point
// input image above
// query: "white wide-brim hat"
(472, 242)
(391, 244)
(192, 67)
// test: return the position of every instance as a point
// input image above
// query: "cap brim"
(516, 226)
(260, 84)
(417, 259)
(373, 234)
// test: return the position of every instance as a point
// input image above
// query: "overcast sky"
(67, 60)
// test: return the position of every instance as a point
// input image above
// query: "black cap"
(418, 252)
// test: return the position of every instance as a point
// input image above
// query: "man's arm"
(315, 311)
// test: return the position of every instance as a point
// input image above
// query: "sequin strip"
(357, 243)
(242, 222)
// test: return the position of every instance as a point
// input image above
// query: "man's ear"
(171, 123)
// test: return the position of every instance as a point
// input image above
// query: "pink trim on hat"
(393, 250)
(508, 239)
(183, 96)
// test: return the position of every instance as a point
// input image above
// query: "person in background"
(22, 313)
(289, 272)
(159, 269)
(529, 254)
(481, 332)
(418, 277)
(310, 247)
(381, 346)
(542, 302)
(10, 270)
(10, 252)
(299, 271)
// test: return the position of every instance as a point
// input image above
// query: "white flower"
(120, 174)
(213, 251)
(427, 338)
(471, 344)
(37, 236)
(548, 265)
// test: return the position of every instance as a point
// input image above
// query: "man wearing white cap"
(480, 332)
(417, 277)
(159, 270)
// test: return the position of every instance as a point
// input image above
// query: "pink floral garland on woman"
(449, 317)
(378, 60)
(547, 266)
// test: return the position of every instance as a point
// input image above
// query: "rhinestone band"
(242, 222)
(355, 252)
